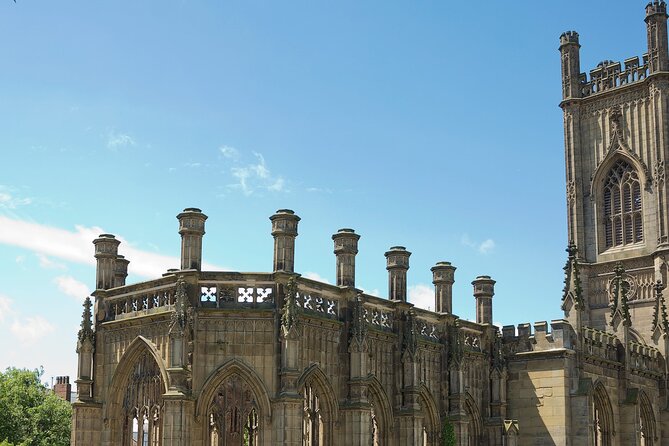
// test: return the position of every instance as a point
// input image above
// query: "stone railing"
(318, 299)
(229, 290)
(645, 360)
(609, 75)
(140, 299)
(379, 313)
(601, 345)
(471, 336)
(428, 324)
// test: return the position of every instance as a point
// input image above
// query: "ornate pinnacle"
(290, 307)
(572, 276)
(180, 314)
(660, 318)
(456, 345)
(619, 302)
(86, 331)
(359, 323)
(498, 360)
(410, 340)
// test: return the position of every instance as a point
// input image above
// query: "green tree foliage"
(32, 415)
(447, 434)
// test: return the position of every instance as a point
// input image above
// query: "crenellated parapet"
(645, 360)
(609, 75)
(522, 339)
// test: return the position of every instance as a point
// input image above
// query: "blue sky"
(432, 125)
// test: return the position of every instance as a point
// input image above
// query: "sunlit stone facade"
(230, 358)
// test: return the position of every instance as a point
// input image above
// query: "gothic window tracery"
(646, 422)
(233, 415)
(601, 417)
(375, 434)
(312, 419)
(622, 206)
(142, 404)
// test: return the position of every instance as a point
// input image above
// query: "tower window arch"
(622, 206)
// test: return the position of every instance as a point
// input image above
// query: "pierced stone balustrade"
(427, 323)
(230, 290)
(318, 300)
(609, 75)
(141, 299)
(379, 313)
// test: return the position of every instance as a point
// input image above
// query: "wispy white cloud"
(229, 152)
(9, 199)
(47, 263)
(117, 140)
(315, 276)
(485, 247)
(254, 176)
(76, 246)
(30, 329)
(422, 296)
(373, 292)
(193, 165)
(319, 190)
(5, 308)
(72, 287)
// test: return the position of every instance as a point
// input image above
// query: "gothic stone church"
(212, 358)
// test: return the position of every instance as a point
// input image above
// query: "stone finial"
(345, 248)
(443, 278)
(656, 31)
(106, 253)
(484, 290)
(397, 264)
(120, 270)
(191, 229)
(284, 231)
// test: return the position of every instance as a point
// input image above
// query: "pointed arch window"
(312, 419)
(602, 417)
(142, 404)
(622, 206)
(233, 415)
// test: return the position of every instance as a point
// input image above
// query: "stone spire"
(397, 264)
(106, 253)
(284, 231)
(345, 248)
(656, 27)
(484, 290)
(443, 278)
(571, 65)
(191, 229)
(85, 350)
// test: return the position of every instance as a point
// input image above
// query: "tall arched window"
(646, 421)
(233, 415)
(602, 417)
(142, 404)
(312, 419)
(623, 219)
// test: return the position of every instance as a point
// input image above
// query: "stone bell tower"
(616, 147)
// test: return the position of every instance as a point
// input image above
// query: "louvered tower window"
(623, 223)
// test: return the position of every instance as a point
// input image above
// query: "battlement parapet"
(656, 7)
(609, 75)
(541, 339)
(645, 360)
(601, 347)
(569, 37)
